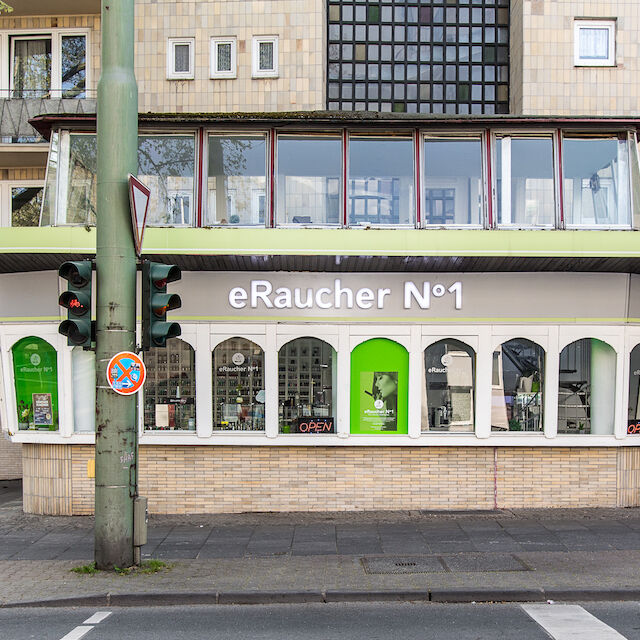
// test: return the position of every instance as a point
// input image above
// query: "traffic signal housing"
(156, 302)
(77, 301)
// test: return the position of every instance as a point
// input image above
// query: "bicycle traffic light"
(77, 301)
(156, 302)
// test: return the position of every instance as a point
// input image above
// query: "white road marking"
(97, 617)
(570, 622)
(77, 633)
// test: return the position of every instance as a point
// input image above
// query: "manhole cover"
(471, 562)
(395, 564)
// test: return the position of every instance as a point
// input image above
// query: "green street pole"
(116, 438)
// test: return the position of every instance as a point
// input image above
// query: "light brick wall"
(46, 479)
(10, 459)
(209, 479)
(299, 25)
(550, 83)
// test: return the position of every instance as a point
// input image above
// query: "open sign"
(633, 426)
(312, 424)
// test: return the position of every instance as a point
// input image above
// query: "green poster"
(379, 387)
(36, 381)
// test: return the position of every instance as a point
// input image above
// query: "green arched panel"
(379, 387)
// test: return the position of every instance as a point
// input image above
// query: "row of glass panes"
(502, 179)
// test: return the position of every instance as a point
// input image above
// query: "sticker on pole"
(126, 373)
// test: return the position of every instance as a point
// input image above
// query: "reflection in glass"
(74, 66)
(309, 180)
(586, 391)
(524, 174)
(634, 385)
(306, 382)
(170, 387)
(31, 67)
(25, 206)
(236, 183)
(596, 181)
(449, 374)
(381, 181)
(82, 181)
(238, 386)
(453, 181)
(166, 166)
(518, 373)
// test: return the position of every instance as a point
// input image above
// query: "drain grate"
(460, 563)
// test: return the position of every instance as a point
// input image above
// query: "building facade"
(406, 231)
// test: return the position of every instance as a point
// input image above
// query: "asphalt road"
(379, 621)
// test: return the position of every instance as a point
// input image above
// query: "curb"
(461, 595)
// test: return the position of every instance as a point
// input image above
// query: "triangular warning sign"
(139, 196)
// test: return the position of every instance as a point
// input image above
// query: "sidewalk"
(523, 555)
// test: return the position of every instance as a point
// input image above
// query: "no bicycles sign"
(126, 373)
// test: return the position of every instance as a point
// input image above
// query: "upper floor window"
(26, 202)
(180, 52)
(594, 43)
(49, 65)
(223, 57)
(265, 57)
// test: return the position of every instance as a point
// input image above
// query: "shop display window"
(453, 185)
(448, 392)
(524, 177)
(586, 390)
(238, 386)
(307, 386)
(633, 415)
(35, 373)
(237, 180)
(596, 181)
(517, 386)
(381, 181)
(170, 388)
(309, 180)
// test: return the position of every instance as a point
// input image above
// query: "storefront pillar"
(271, 384)
(551, 384)
(415, 382)
(204, 380)
(603, 387)
(484, 366)
(344, 382)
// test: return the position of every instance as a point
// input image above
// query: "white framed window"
(180, 58)
(594, 43)
(265, 57)
(223, 57)
(47, 63)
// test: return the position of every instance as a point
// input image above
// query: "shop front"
(342, 390)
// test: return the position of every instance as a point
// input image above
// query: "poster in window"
(42, 409)
(379, 400)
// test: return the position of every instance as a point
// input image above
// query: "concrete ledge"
(577, 595)
(100, 600)
(374, 596)
(488, 595)
(161, 599)
(270, 597)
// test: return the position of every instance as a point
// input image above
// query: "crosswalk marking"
(77, 633)
(97, 617)
(570, 622)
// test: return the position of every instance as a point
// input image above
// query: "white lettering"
(456, 288)
(381, 294)
(261, 289)
(365, 298)
(423, 299)
(307, 304)
(339, 291)
(283, 298)
(323, 291)
(238, 297)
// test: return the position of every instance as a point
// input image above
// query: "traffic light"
(156, 302)
(77, 301)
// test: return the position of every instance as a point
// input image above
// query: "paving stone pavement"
(517, 550)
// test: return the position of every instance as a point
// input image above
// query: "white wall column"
(204, 382)
(484, 364)
(550, 385)
(343, 415)
(415, 381)
(603, 387)
(271, 383)
(65, 389)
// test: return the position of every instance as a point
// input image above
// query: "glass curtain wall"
(448, 392)
(309, 180)
(237, 180)
(517, 386)
(453, 188)
(525, 183)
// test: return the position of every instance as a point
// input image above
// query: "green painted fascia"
(373, 242)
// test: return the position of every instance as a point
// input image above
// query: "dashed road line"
(77, 633)
(81, 630)
(97, 617)
(570, 622)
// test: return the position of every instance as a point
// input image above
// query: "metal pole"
(116, 477)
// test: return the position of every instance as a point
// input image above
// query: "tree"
(5, 7)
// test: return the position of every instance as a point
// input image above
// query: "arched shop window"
(238, 386)
(633, 415)
(170, 388)
(307, 386)
(587, 387)
(448, 392)
(516, 386)
(35, 373)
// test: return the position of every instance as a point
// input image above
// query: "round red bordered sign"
(126, 373)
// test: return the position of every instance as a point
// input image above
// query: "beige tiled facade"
(10, 459)
(299, 25)
(544, 80)
(233, 479)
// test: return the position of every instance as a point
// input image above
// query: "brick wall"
(10, 459)
(46, 479)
